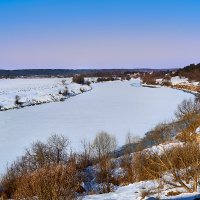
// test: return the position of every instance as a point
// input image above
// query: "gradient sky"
(99, 33)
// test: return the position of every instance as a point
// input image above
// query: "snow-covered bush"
(78, 79)
(64, 92)
(17, 100)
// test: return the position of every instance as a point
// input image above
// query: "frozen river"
(115, 107)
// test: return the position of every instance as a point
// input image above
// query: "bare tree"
(104, 174)
(188, 134)
(129, 172)
(87, 154)
(129, 143)
(130, 138)
(58, 145)
(37, 156)
(187, 110)
(188, 115)
(104, 144)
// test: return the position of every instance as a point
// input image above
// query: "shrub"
(104, 175)
(65, 91)
(104, 144)
(145, 193)
(128, 77)
(159, 134)
(45, 167)
(86, 157)
(8, 183)
(127, 165)
(180, 163)
(78, 79)
(17, 101)
(82, 90)
(173, 193)
(51, 182)
(104, 79)
(149, 79)
(188, 134)
(88, 83)
(167, 83)
(187, 110)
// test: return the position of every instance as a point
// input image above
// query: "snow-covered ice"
(116, 107)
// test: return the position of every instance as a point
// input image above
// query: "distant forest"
(192, 72)
(69, 72)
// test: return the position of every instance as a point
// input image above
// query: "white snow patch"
(35, 91)
(135, 190)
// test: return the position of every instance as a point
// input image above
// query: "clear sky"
(99, 33)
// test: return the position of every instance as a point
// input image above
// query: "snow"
(131, 191)
(159, 149)
(35, 91)
(116, 107)
(198, 130)
(135, 190)
(177, 80)
(183, 81)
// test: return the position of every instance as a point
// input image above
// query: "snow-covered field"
(116, 107)
(36, 91)
(180, 80)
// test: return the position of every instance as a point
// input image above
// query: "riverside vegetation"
(51, 170)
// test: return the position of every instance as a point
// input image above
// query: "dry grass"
(173, 193)
(187, 87)
(55, 182)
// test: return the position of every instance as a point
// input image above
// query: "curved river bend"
(115, 107)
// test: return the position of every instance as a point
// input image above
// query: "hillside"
(192, 72)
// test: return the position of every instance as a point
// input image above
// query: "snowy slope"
(135, 192)
(150, 188)
(179, 80)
